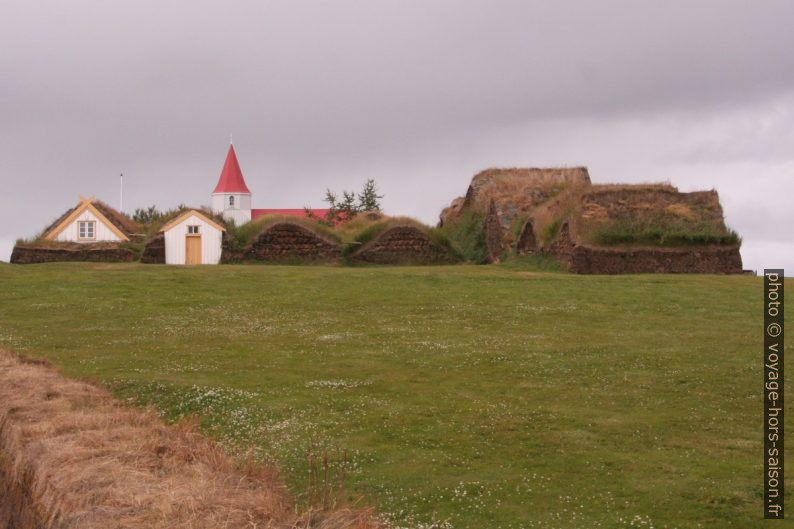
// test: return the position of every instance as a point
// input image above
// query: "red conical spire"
(231, 180)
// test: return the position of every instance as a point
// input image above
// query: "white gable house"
(86, 224)
(193, 238)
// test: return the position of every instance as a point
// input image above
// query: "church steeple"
(231, 196)
(231, 180)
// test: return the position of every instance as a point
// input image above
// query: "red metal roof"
(231, 180)
(293, 212)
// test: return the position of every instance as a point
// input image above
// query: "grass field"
(474, 396)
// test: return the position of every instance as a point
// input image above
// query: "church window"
(231, 201)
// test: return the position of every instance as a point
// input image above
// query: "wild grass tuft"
(660, 231)
(466, 233)
(549, 232)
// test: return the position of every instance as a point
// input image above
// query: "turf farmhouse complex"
(553, 214)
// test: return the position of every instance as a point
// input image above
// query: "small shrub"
(467, 234)
(438, 236)
(350, 205)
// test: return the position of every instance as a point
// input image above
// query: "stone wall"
(100, 252)
(404, 244)
(668, 260)
(585, 259)
(288, 242)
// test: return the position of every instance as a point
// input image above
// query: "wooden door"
(193, 249)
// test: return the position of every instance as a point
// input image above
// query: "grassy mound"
(651, 216)
(369, 232)
(243, 235)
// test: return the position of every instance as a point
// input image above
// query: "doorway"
(193, 250)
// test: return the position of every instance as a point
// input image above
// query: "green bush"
(467, 234)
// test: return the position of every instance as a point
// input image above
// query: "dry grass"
(72, 456)
(348, 229)
(653, 214)
(52, 225)
(120, 220)
(648, 186)
(255, 227)
(549, 216)
(69, 245)
(524, 187)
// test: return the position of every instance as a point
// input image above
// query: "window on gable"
(192, 230)
(231, 200)
(86, 229)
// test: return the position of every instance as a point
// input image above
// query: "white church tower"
(231, 196)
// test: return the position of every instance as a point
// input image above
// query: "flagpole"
(121, 192)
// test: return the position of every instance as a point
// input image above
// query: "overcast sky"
(419, 95)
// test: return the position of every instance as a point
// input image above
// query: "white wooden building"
(85, 224)
(193, 238)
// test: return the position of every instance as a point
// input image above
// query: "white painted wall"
(240, 213)
(102, 232)
(211, 240)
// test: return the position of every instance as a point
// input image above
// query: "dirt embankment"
(71, 457)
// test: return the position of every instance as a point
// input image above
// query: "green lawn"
(487, 397)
